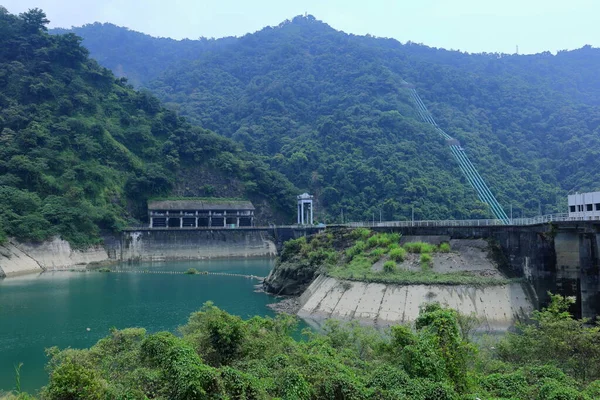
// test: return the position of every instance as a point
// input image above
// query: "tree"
(34, 20)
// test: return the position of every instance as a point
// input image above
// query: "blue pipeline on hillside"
(466, 166)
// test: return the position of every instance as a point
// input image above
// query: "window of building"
(597, 206)
(589, 207)
(572, 208)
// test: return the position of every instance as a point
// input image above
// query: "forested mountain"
(329, 110)
(81, 151)
(135, 55)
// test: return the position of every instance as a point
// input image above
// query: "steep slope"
(81, 151)
(330, 111)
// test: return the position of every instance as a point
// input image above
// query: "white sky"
(468, 25)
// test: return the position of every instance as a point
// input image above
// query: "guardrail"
(542, 219)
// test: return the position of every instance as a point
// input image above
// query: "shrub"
(426, 261)
(373, 241)
(444, 248)
(398, 254)
(394, 237)
(72, 379)
(191, 271)
(384, 240)
(361, 233)
(104, 270)
(555, 390)
(292, 248)
(389, 267)
(377, 253)
(593, 390)
(513, 385)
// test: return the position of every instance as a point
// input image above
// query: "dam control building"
(584, 206)
(215, 213)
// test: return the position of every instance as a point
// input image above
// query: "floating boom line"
(466, 166)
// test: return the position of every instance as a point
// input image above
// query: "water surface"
(56, 308)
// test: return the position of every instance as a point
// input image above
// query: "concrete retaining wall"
(498, 307)
(159, 245)
(21, 258)
(14, 261)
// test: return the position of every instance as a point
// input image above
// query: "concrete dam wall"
(160, 245)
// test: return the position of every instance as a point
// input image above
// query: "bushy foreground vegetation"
(352, 254)
(221, 356)
(81, 151)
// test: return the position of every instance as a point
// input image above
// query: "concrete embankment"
(21, 258)
(497, 307)
(131, 246)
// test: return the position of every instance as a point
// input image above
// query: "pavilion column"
(181, 222)
(302, 205)
(238, 222)
(151, 222)
(311, 213)
(224, 221)
(167, 222)
(299, 213)
(196, 220)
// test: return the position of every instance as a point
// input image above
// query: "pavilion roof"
(209, 204)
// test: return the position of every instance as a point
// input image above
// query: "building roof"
(305, 196)
(192, 205)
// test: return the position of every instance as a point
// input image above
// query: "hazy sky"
(468, 25)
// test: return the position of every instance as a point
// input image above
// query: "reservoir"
(57, 308)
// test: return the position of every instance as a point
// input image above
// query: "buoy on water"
(88, 329)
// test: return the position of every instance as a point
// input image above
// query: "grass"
(398, 254)
(205, 199)
(356, 250)
(353, 260)
(359, 268)
(444, 248)
(426, 261)
(419, 247)
(389, 267)
(406, 277)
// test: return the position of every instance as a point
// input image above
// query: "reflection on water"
(56, 308)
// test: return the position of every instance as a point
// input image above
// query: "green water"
(55, 309)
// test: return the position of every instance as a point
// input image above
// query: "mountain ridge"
(280, 86)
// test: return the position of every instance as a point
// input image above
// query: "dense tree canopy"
(329, 110)
(81, 151)
(221, 356)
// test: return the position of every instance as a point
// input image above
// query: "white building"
(584, 206)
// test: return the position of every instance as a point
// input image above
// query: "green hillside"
(329, 110)
(81, 151)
